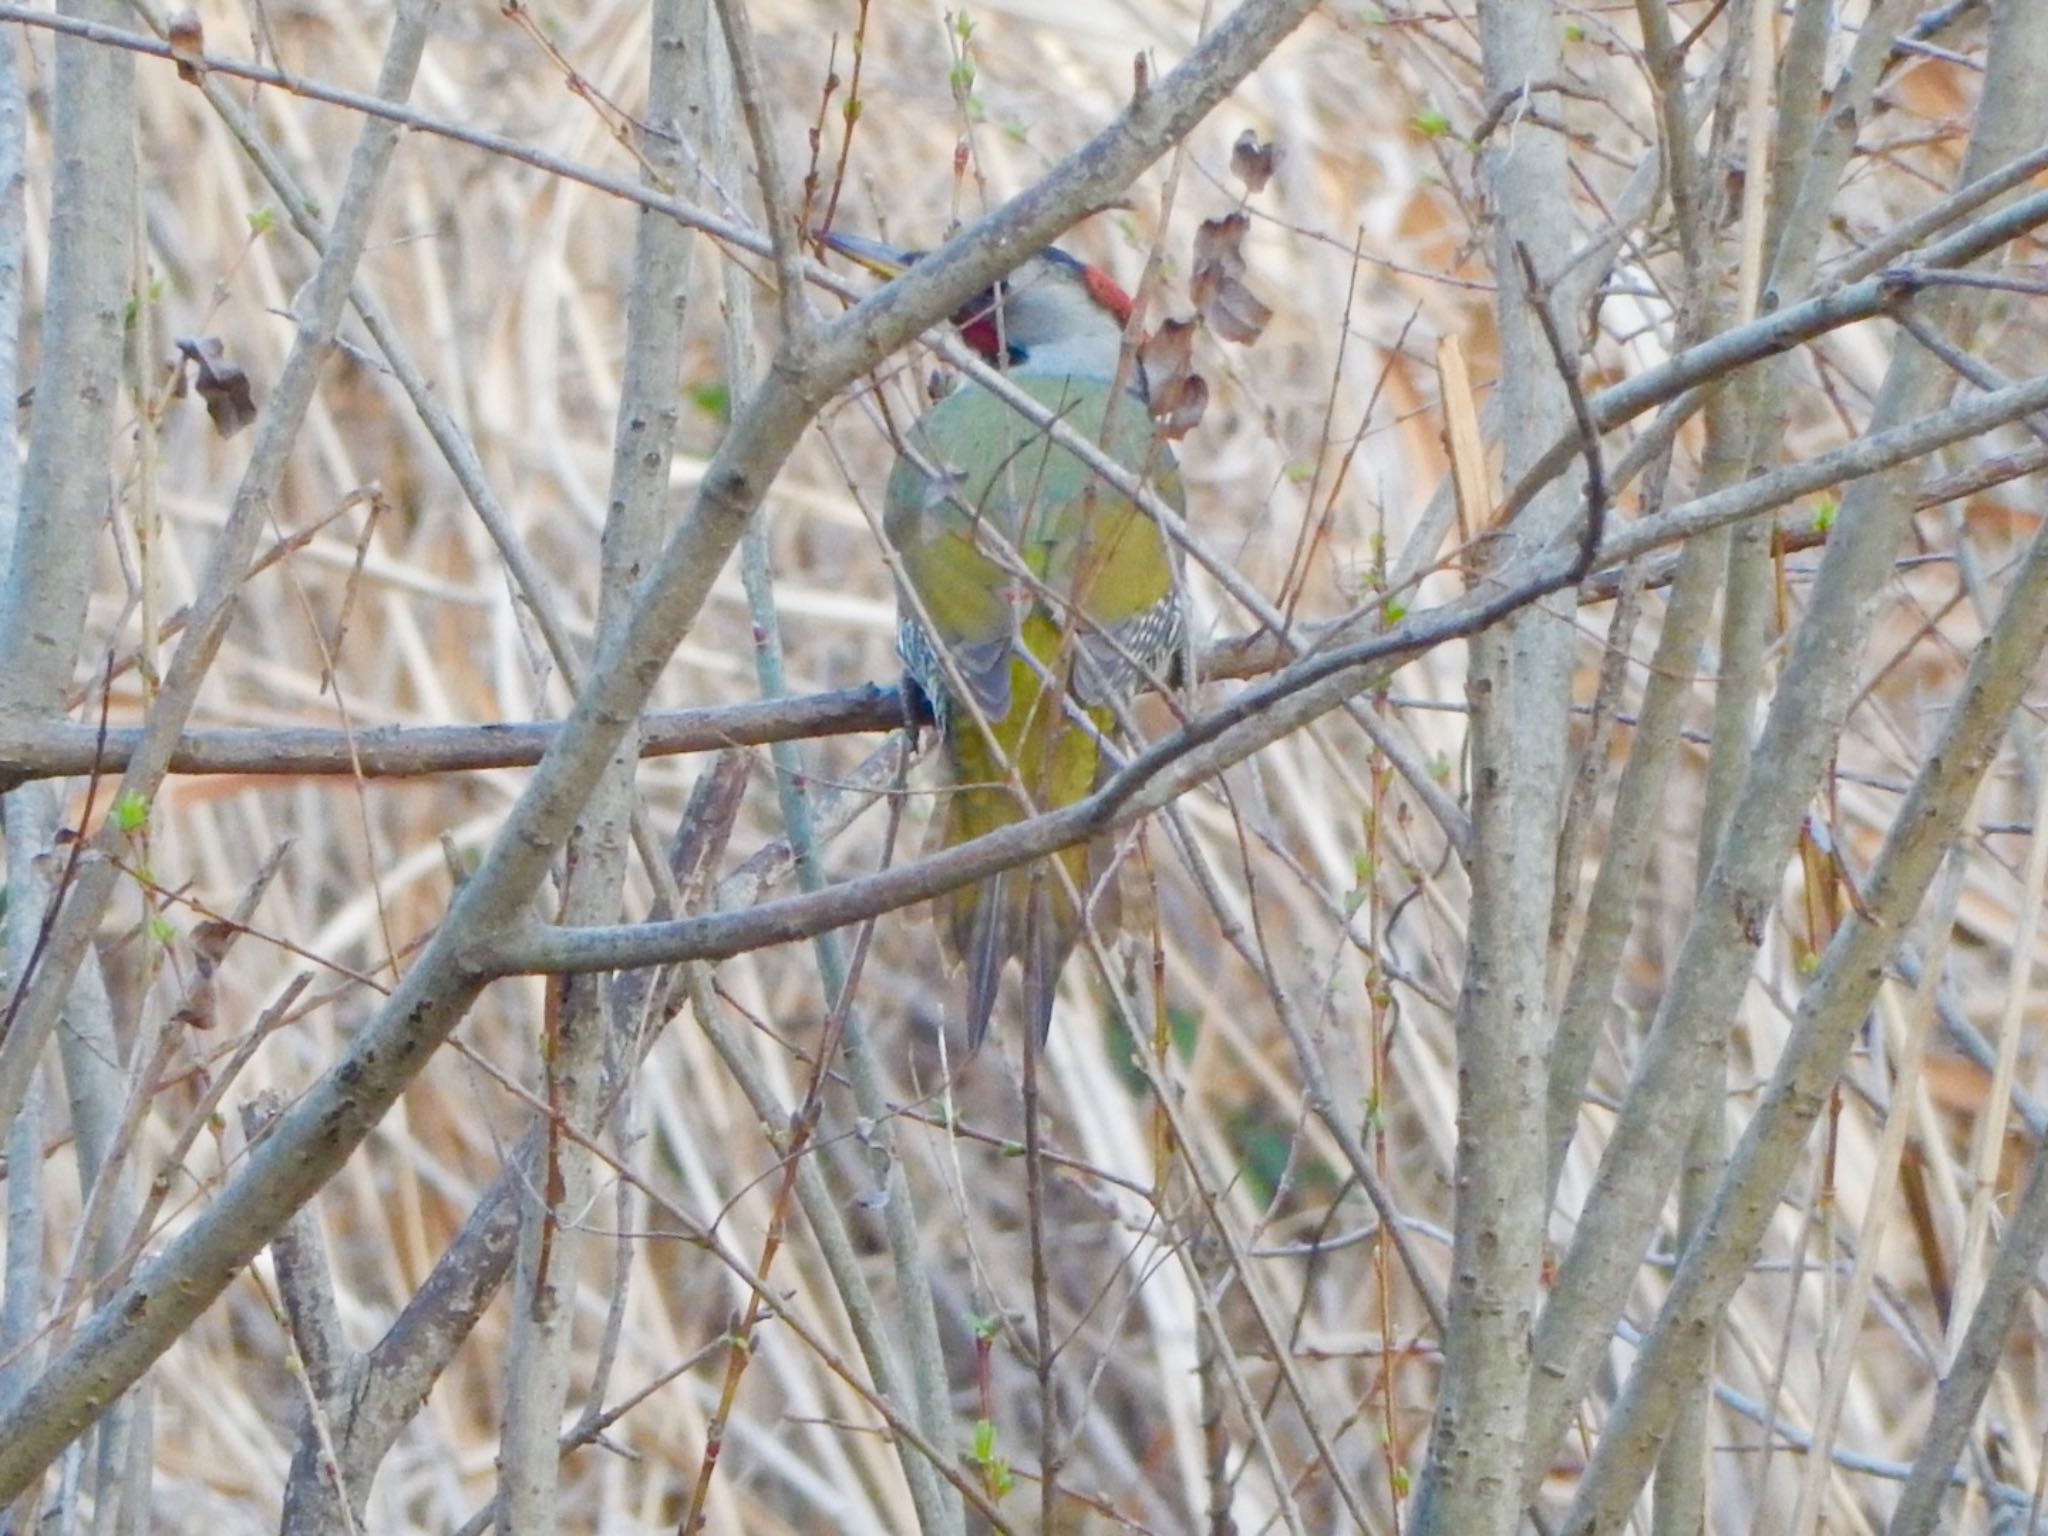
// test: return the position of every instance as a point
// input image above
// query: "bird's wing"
(959, 606)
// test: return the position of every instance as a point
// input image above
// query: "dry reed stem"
(1322, 914)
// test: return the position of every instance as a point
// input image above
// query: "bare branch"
(334, 1115)
(1727, 926)
(580, 1028)
(1829, 1018)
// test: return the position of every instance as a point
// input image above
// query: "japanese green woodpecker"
(1037, 596)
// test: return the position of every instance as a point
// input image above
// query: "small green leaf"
(984, 1441)
(714, 399)
(1431, 123)
(262, 220)
(161, 930)
(131, 811)
(1393, 611)
(1574, 33)
(1824, 512)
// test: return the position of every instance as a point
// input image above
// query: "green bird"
(1038, 595)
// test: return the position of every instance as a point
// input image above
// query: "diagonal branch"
(1829, 1020)
(37, 997)
(1232, 731)
(318, 1134)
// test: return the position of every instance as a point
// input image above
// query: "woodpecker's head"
(1053, 313)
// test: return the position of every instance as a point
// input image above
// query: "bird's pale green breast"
(982, 462)
(975, 461)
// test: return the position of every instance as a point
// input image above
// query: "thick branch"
(318, 1134)
(580, 1027)
(1519, 686)
(1705, 984)
(1826, 1028)
(38, 995)
(63, 748)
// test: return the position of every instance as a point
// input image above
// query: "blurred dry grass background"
(507, 284)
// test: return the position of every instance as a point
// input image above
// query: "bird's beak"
(883, 260)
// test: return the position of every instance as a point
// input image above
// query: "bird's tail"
(1028, 913)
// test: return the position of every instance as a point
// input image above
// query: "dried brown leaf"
(1231, 309)
(1252, 160)
(1237, 314)
(1168, 355)
(188, 45)
(210, 941)
(199, 1009)
(221, 384)
(1177, 394)
(1188, 408)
